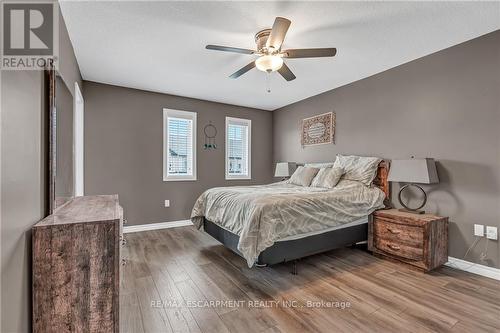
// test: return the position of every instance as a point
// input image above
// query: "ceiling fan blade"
(286, 73)
(242, 71)
(278, 32)
(229, 49)
(309, 53)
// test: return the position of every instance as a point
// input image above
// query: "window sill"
(179, 179)
(238, 178)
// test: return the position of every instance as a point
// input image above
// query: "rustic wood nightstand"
(420, 240)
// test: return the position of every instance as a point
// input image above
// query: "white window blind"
(238, 148)
(179, 145)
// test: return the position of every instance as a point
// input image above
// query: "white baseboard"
(491, 272)
(156, 226)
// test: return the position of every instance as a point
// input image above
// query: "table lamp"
(285, 169)
(413, 171)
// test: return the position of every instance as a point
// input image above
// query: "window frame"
(248, 123)
(190, 115)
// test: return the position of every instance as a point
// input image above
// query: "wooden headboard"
(381, 179)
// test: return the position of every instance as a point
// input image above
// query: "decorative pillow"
(303, 176)
(327, 177)
(362, 169)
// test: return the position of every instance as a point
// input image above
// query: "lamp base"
(411, 211)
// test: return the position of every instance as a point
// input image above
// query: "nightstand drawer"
(398, 249)
(398, 233)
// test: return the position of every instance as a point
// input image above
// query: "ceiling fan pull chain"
(268, 81)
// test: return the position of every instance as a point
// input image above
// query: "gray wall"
(23, 179)
(23, 190)
(446, 106)
(123, 150)
(68, 66)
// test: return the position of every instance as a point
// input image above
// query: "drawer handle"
(394, 247)
(124, 241)
(392, 231)
(124, 262)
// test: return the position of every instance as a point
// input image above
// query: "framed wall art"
(318, 130)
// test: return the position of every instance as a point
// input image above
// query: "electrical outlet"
(478, 230)
(167, 203)
(492, 233)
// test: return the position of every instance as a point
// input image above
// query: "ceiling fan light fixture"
(269, 63)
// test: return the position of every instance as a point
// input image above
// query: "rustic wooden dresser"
(76, 266)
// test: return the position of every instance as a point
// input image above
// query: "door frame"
(78, 142)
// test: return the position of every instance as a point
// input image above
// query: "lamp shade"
(285, 169)
(415, 170)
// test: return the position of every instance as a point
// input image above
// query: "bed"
(281, 222)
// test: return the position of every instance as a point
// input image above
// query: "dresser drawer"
(399, 249)
(398, 233)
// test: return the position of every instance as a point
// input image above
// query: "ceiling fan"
(269, 42)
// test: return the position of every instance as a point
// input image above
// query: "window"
(238, 139)
(179, 145)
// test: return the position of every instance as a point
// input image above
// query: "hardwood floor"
(189, 269)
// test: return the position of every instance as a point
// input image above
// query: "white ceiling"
(160, 46)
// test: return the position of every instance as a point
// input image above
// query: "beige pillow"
(303, 176)
(327, 177)
(359, 168)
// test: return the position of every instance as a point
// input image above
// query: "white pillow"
(359, 168)
(303, 176)
(327, 177)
